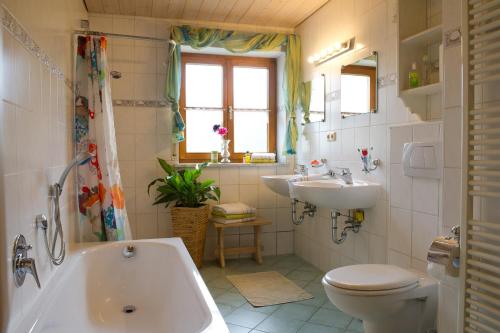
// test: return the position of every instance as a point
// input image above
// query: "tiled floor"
(317, 315)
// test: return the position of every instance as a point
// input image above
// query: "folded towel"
(262, 161)
(223, 220)
(234, 208)
(263, 156)
(217, 213)
(293, 179)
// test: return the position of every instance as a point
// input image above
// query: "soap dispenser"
(413, 77)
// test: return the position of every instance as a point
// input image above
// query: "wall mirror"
(312, 98)
(358, 86)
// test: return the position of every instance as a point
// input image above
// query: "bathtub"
(98, 289)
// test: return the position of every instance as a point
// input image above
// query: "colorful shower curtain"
(101, 201)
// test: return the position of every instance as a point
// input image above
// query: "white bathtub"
(90, 290)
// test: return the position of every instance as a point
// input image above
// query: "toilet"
(388, 299)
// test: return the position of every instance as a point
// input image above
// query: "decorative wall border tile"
(140, 103)
(15, 28)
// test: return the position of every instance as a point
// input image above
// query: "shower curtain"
(101, 201)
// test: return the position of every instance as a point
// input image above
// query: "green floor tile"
(331, 318)
(275, 324)
(245, 318)
(315, 328)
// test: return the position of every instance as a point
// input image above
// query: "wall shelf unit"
(426, 37)
(420, 38)
(427, 90)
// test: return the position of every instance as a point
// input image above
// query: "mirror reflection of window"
(317, 102)
(358, 87)
(355, 94)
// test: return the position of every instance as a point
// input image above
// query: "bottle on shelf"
(413, 77)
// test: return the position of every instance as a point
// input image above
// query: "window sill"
(229, 165)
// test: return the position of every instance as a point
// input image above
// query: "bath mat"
(268, 288)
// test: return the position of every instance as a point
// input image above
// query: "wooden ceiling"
(270, 13)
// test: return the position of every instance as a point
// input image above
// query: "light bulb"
(310, 59)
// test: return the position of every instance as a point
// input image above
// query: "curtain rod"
(98, 33)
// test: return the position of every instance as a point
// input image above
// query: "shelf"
(430, 89)
(429, 36)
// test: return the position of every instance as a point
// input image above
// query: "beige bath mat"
(268, 288)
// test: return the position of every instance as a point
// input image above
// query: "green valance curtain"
(236, 42)
(305, 99)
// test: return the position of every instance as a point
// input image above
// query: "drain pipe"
(352, 223)
(309, 209)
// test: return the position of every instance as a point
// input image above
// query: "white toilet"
(388, 299)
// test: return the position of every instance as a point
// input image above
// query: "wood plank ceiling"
(271, 13)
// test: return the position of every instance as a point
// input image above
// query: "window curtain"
(101, 201)
(236, 42)
(305, 99)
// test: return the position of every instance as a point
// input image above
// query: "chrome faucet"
(344, 174)
(21, 264)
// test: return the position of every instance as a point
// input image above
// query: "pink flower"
(222, 131)
(364, 152)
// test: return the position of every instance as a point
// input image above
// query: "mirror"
(358, 87)
(312, 98)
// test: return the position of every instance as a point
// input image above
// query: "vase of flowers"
(224, 152)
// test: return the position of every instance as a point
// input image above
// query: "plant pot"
(190, 224)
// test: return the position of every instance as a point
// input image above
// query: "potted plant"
(190, 213)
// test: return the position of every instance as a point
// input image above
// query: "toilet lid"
(370, 277)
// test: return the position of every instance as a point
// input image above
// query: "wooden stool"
(257, 227)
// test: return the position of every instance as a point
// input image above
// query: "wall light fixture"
(332, 52)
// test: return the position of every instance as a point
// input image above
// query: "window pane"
(204, 85)
(250, 88)
(355, 93)
(199, 133)
(251, 131)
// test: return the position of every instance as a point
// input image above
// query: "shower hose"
(58, 232)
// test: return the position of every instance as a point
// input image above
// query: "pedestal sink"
(336, 194)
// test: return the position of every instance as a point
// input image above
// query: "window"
(237, 92)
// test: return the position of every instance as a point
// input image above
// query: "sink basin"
(278, 184)
(335, 194)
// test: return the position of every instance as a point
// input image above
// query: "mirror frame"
(375, 108)
(303, 123)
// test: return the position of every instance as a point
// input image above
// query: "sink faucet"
(21, 264)
(344, 174)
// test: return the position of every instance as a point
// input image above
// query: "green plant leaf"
(166, 167)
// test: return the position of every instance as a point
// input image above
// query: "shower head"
(80, 159)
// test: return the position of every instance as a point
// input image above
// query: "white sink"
(278, 184)
(335, 194)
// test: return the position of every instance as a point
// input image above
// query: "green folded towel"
(218, 213)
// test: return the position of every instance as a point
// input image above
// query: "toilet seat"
(372, 279)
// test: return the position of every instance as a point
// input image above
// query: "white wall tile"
(249, 175)
(425, 195)
(400, 231)
(284, 243)
(230, 176)
(452, 203)
(452, 137)
(424, 230)
(398, 137)
(400, 192)
(399, 259)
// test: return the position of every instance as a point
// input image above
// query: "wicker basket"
(191, 225)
